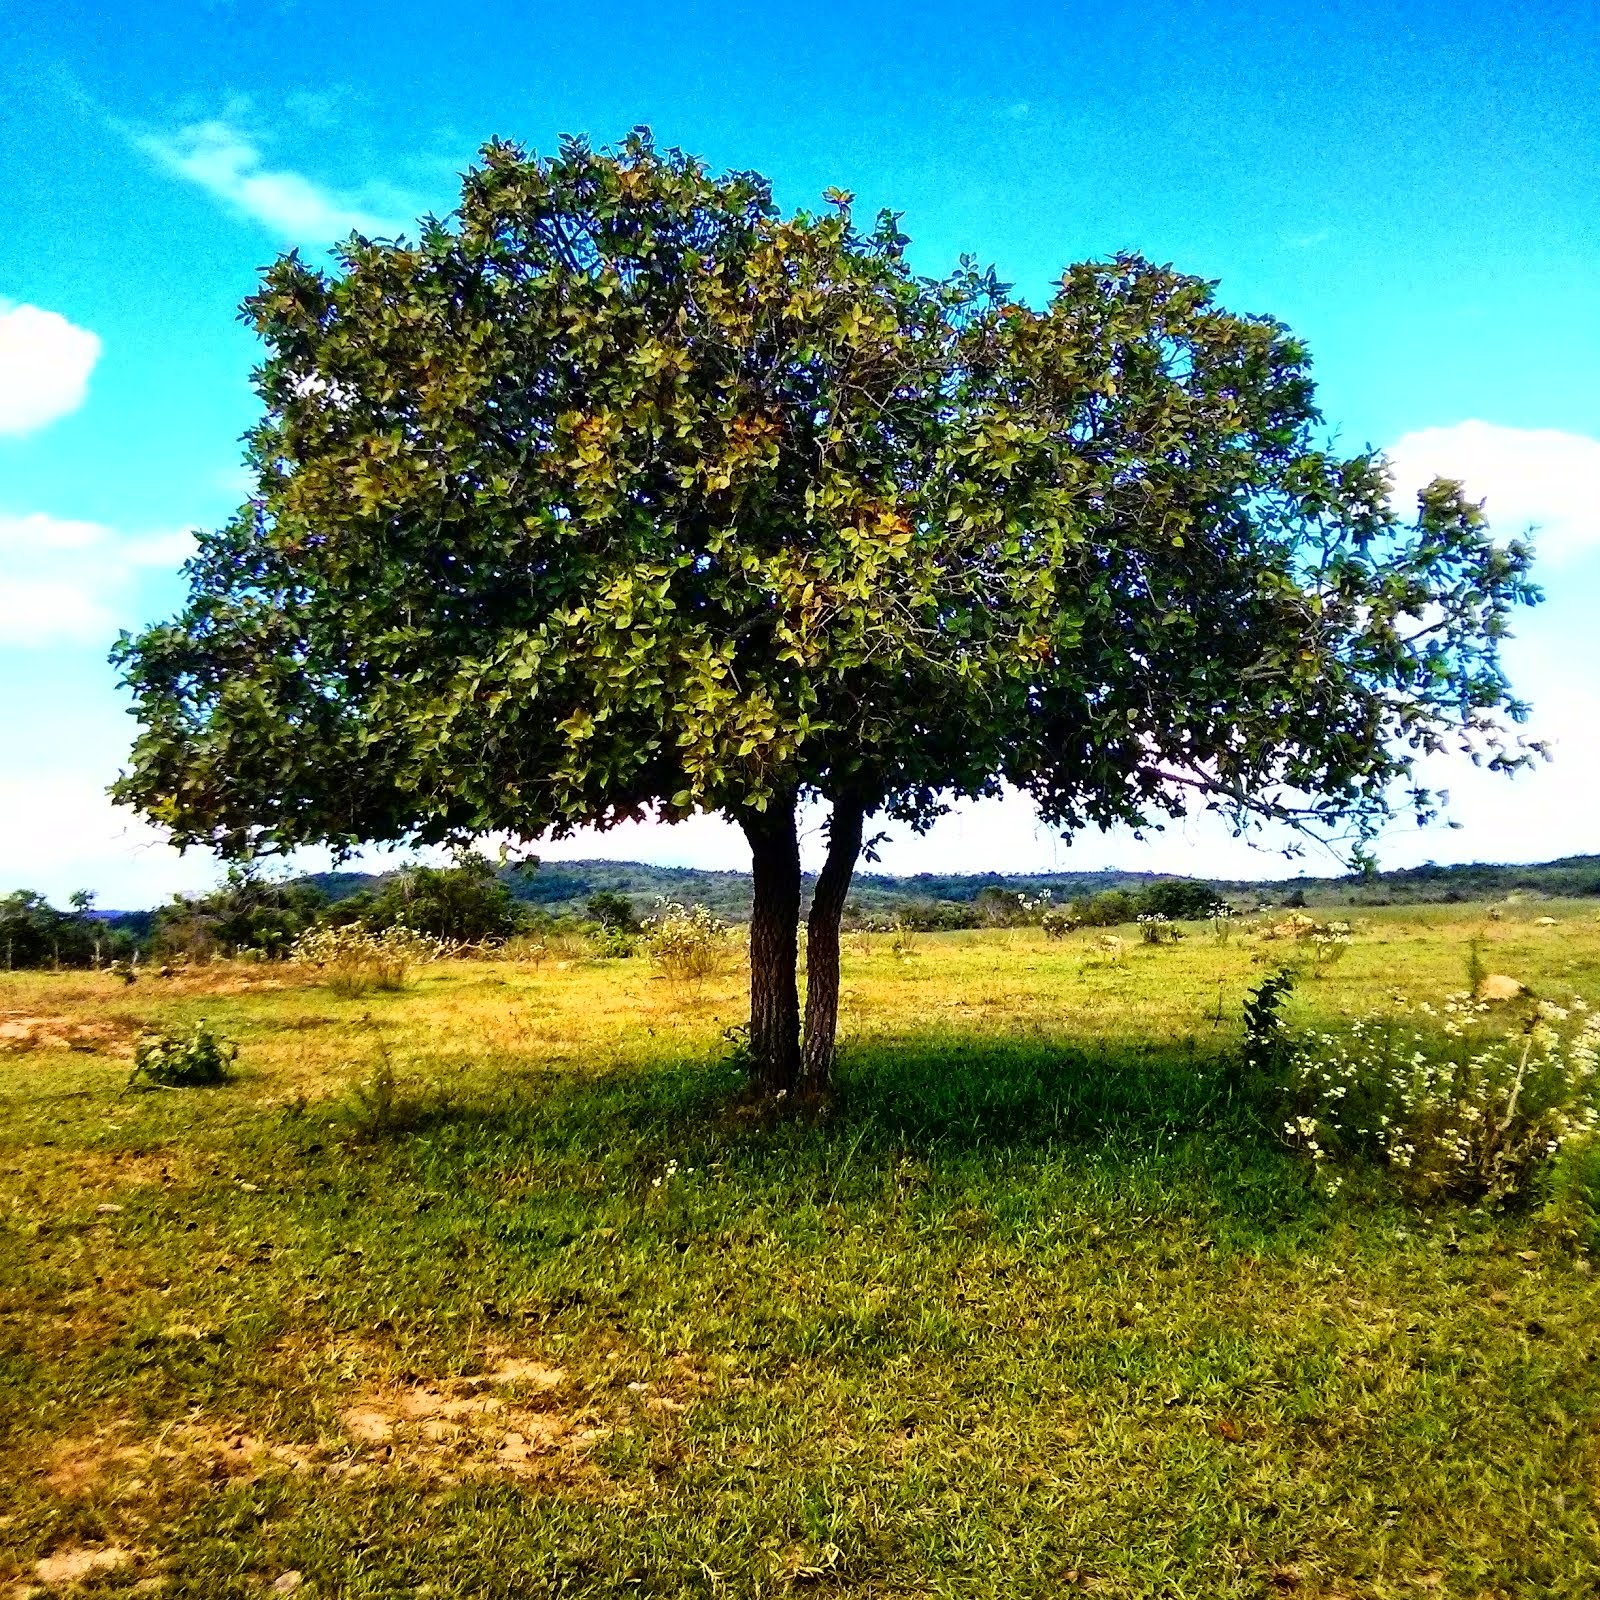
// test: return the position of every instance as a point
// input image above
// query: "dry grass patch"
(21, 1032)
(80, 1562)
(453, 1426)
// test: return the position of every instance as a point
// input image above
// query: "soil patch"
(20, 1032)
(506, 1420)
(74, 1565)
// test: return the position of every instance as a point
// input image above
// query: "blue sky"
(1414, 188)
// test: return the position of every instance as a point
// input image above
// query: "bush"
(1106, 910)
(1106, 951)
(1058, 922)
(1156, 928)
(915, 916)
(611, 943)
(1179, 900)
(354, 959)
(532, 948)
(182, 1061)
(685, 943)
(1317, 945)
(612, 910)
(1010, 908)
(1452, 1106)
(467, 903)
(245, 912)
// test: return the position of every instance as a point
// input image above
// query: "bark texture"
(774, 945)
(822, 944)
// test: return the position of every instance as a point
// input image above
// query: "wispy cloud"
(228, 163)
(45, 362)
(64, 582)
(1306, 241)
(1528, 478)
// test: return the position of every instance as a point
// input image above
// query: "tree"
(621, 493)
(246, 911)
(613, 910)
(34, 934)
(466, 903)
(1181, 899)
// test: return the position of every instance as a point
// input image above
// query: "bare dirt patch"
(21, 1032)
(505, 1420)
(83, 1561)
(1500, 986)
(81, 1465)
(509, 1420)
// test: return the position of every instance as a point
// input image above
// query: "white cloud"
(68, 582)
(59, 832)
(45, 362)
(229, 164)
(1528, 477)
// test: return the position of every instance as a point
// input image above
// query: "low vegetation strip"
(496, 1283)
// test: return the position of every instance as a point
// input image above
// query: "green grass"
(1041, 1307)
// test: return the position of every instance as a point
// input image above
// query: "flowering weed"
(1453, 1103)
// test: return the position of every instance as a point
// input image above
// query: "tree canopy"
(621, 493)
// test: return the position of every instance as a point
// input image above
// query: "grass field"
(498, 1287)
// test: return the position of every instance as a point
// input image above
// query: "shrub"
(685, 943)
(355, 959)
(611, 943)
(1106, 951)
(1453, 1107)
(1010, 908)
(1155, 927)
(1328, 944)
(1058, 922)
(247, 911)
(468, 903)
(612, 910)
(1318, 945)
(182, 1061)
(530, 947)
(1179, 900)
(1265, 1040)
(1106, 910)
(920, 916)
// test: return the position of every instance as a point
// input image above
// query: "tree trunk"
(822, 944)
(774, 945)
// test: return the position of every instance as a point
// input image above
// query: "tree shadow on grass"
(962, 1091)
(960, 1101)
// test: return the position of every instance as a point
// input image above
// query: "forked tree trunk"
(774, 945)
(822, 945)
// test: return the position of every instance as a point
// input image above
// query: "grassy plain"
(496, 1287)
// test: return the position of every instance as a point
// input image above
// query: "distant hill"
(565, 886)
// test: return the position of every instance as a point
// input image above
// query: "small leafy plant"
(1265, 1038)
(612, 942)
(182, 1061)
